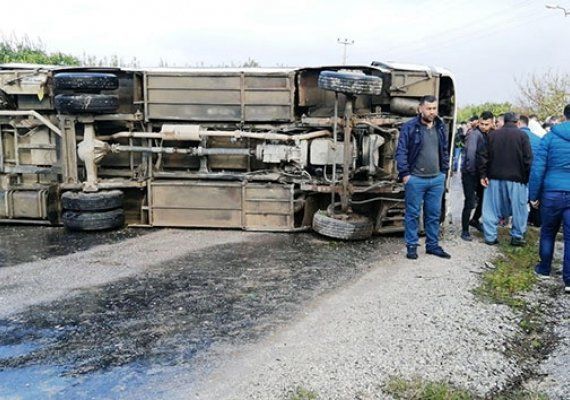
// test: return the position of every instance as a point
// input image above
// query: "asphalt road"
(101, 315)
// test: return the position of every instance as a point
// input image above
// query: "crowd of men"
(512, 169)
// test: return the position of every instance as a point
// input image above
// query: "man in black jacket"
(504, 170)
(472, 190)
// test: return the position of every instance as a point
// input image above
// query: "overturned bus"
(255, 149)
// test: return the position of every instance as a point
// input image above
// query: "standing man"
(422, 159)
(473, 121)
(499, 121)
(472, 189)
(550, 188)
(504, 171)
(534, 214)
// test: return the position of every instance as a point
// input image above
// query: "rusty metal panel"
(29, 204)
(268, 192)
(267, 82)
(196, 218)
(194, 112)
(268, 207)
(196, 204)
(267, 222)
(267, 113)
(24, 82)
(192, 81)
(227, 162)
(214, 97)
(268, 98)
(197, 195)
(38, 148)
(414, 84)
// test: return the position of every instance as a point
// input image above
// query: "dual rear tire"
(93, 211)
(81, 93)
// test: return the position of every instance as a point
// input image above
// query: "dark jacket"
(551, 167)
(410, 142)
(474, 143)
(508, 155)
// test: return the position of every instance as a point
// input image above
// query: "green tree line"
(25, 50)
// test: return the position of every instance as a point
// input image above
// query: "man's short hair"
(427, 99)
(486, 115)
(567, 111)
(524, 119)
(473, 118)
(510, 117)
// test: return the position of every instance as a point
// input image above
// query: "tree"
(464, 113)
(544, 94)
(250, 63)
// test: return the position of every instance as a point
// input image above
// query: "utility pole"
(557, 7)
(345, 42)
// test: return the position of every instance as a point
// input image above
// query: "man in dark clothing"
(504, 170)
(422, 159)
(472, 189)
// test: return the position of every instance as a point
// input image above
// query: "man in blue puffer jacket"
(422, 160)
(550, 187)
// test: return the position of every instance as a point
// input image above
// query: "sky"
(487, 45)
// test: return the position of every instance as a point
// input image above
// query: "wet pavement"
(109, 341)
(19, 244)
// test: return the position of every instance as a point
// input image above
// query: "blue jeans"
(428, 191)
(503, 199)
(554, 211)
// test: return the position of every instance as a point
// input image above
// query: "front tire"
(346, 227)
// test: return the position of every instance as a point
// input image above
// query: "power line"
(468, 26)
(557, 7)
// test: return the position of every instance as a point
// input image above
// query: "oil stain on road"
(107, 341)
(20, 244)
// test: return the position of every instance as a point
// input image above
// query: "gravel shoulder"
(404, 318)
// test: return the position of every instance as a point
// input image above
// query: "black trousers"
(479, 209)
(534, 217)
(473, 192)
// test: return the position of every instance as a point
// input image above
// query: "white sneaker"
(567, 289)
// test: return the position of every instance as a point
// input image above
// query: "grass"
(417, 389)
(523, 395)
(514, 272)
(420, 390)
(300, 393)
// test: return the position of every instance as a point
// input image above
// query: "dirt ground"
(198, 314)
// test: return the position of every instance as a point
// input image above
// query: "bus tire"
(98, 201)
(350, 83)
(86, 103)
(85, 81)
(351, 227)
(93, 220)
